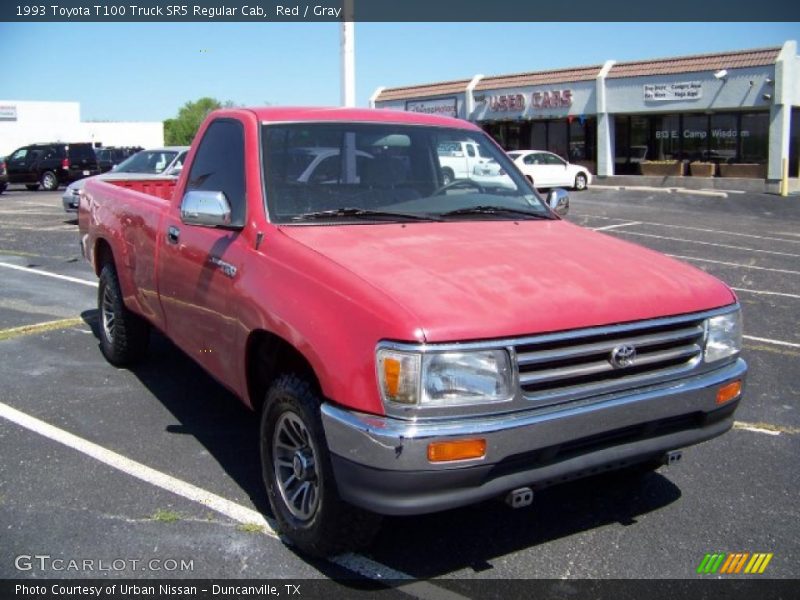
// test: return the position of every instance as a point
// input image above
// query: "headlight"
(723, 336)
(444, 378)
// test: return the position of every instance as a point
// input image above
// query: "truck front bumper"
(381, 463)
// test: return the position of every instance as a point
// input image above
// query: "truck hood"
(490, 279)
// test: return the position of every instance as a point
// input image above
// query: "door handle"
(173, 233)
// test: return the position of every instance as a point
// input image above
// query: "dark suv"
(51, 165)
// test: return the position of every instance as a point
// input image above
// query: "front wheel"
(298, 475)
(123, 335)
(580, 181)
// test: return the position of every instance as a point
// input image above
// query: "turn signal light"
(456, 450)
(729, 391)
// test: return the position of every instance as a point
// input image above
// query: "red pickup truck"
(411, 343)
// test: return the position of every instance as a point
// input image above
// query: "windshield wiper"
(495, 210)
(362, 213)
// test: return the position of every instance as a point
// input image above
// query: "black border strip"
(265, 11)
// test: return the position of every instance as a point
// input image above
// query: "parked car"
(547, 170)
(158, 162)
(3, 175)
(408, 346)
(50, 165)
(110, 156)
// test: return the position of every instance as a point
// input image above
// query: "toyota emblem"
(623, 356)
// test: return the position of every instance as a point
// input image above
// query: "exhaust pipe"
(520, 497)
(672, 458)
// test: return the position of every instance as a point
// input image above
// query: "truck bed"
(161, 187)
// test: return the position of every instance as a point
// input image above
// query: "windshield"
(147, 161)
(358, 171)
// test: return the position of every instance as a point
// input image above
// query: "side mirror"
(206, 209)
(558, 200)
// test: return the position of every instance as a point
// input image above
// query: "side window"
(552, 159)
(530, 159)
(19, 154)
(471, 150)
(219, 165)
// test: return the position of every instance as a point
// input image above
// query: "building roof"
(701, 62)
(424, 91)
(539, 78)
(660, 66)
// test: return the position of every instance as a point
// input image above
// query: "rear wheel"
(447, 177)
(49, 181)
(123, 335)
(580, 181)
(298, 475)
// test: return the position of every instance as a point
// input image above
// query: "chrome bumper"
(381, 463)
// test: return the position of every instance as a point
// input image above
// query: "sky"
(145, 72)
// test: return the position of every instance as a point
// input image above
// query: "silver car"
(157, 162)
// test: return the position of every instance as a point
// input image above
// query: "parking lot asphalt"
(737, 493)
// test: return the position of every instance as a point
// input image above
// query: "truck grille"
(583, 363)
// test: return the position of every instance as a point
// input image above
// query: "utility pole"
(348, 56)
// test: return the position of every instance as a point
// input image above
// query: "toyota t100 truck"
(409, 343)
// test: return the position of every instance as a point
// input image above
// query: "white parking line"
(730, 264)
(607, 227)
(748, 427)
(766, 293)
(718, 245)
(48, 274)
(242, 514)
(771, 341)
(704, 230)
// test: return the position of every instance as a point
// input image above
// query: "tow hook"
(672, 458)
(520, 497)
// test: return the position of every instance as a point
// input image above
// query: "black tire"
(123, 335)
(32, 186)
(49, 181)
(580, 182)
(2, 187)
(447, 176)
(318, 522)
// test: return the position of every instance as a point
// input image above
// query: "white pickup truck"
(458, 160)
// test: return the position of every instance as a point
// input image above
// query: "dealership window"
(694, 137)
(572, 139)
(557, 138)
(724, 138)
(794, 144)
(666, 137)
(754, 138)
(721, 137)
(582, 140)
(539, 136)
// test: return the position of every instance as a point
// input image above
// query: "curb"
(669, 190)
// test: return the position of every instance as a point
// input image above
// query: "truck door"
(20, 163)
(198, 266)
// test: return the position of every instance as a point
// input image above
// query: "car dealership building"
(723, 115)
(25, 122)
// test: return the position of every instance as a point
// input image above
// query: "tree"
(181, 130)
